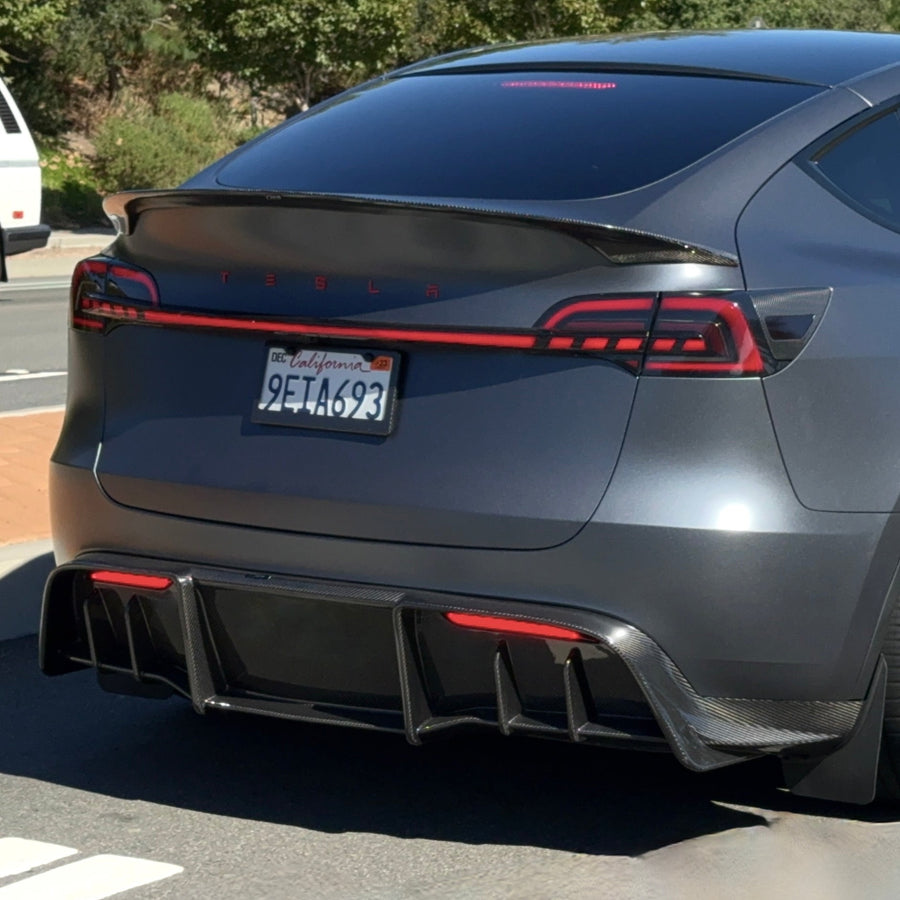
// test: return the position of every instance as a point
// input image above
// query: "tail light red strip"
(672, 335)
(525, 340)
(516, 626)
(132, 580)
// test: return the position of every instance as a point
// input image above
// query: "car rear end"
(344, 444)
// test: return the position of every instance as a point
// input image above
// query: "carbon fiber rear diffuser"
(704, 733)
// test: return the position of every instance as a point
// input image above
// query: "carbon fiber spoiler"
(620, 246)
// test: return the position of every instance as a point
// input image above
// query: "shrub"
(70, 197)
(161, 147)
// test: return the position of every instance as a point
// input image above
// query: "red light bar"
(128, 579)
(516, 626)
(574, 85)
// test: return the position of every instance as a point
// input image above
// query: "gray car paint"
(700, 540)
(835, 407)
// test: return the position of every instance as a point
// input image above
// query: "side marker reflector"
(516, 626)
(128, 579)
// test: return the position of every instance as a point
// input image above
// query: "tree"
(443, 25)
(105, 39)
(303, 49)
(27, 26)
(859, 15)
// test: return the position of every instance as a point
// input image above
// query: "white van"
(20, 185)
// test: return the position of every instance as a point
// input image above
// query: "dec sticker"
(382, 364)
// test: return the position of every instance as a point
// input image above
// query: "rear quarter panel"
(836, 408)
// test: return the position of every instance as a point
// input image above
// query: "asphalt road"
(33, 322)
(258, 808)
(102, 794)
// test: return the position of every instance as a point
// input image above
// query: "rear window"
(862, 165)
(541, 136)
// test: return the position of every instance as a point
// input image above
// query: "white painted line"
(90, 879)
(31, 411)
(30, 376)
(19, 855)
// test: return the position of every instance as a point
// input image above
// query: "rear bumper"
(28, 237)
(388, 659)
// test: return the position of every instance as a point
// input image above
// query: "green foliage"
(859, 15)
(442, 25)
(105, 39)
(29, 24)
(304, 48)
(162, 146)
(73, 72)
(70, 194)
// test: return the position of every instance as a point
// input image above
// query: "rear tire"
(889, 763)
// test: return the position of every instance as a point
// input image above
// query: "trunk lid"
(491, 447)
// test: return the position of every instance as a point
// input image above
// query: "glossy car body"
(654, 407)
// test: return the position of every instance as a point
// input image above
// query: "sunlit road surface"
(33, 323)
(246, 807)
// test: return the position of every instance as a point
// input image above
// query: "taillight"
(616, 327)
(722, 334)
(107, 286)
(704, 335)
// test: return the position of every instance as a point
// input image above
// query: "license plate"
(338, 390)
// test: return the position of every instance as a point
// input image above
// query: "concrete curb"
(74, 240)
(23, 570)
(58, 258)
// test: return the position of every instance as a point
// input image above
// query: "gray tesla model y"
(548, 388)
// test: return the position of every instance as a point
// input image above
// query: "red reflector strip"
(516, 626)
(629, 344)
(595, 343)
(663, 345)
(128, 579)
(694, 345)
(561, 343)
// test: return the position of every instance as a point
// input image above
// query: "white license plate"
(339, 390)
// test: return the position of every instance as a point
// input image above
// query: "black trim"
(610, 67)
(29, 237)
(8, 117)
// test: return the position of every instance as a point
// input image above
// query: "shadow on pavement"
(471, 790)
(20, 596)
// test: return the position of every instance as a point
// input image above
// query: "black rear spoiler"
(620, 246)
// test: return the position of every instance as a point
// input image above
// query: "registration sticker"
(338, 390)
